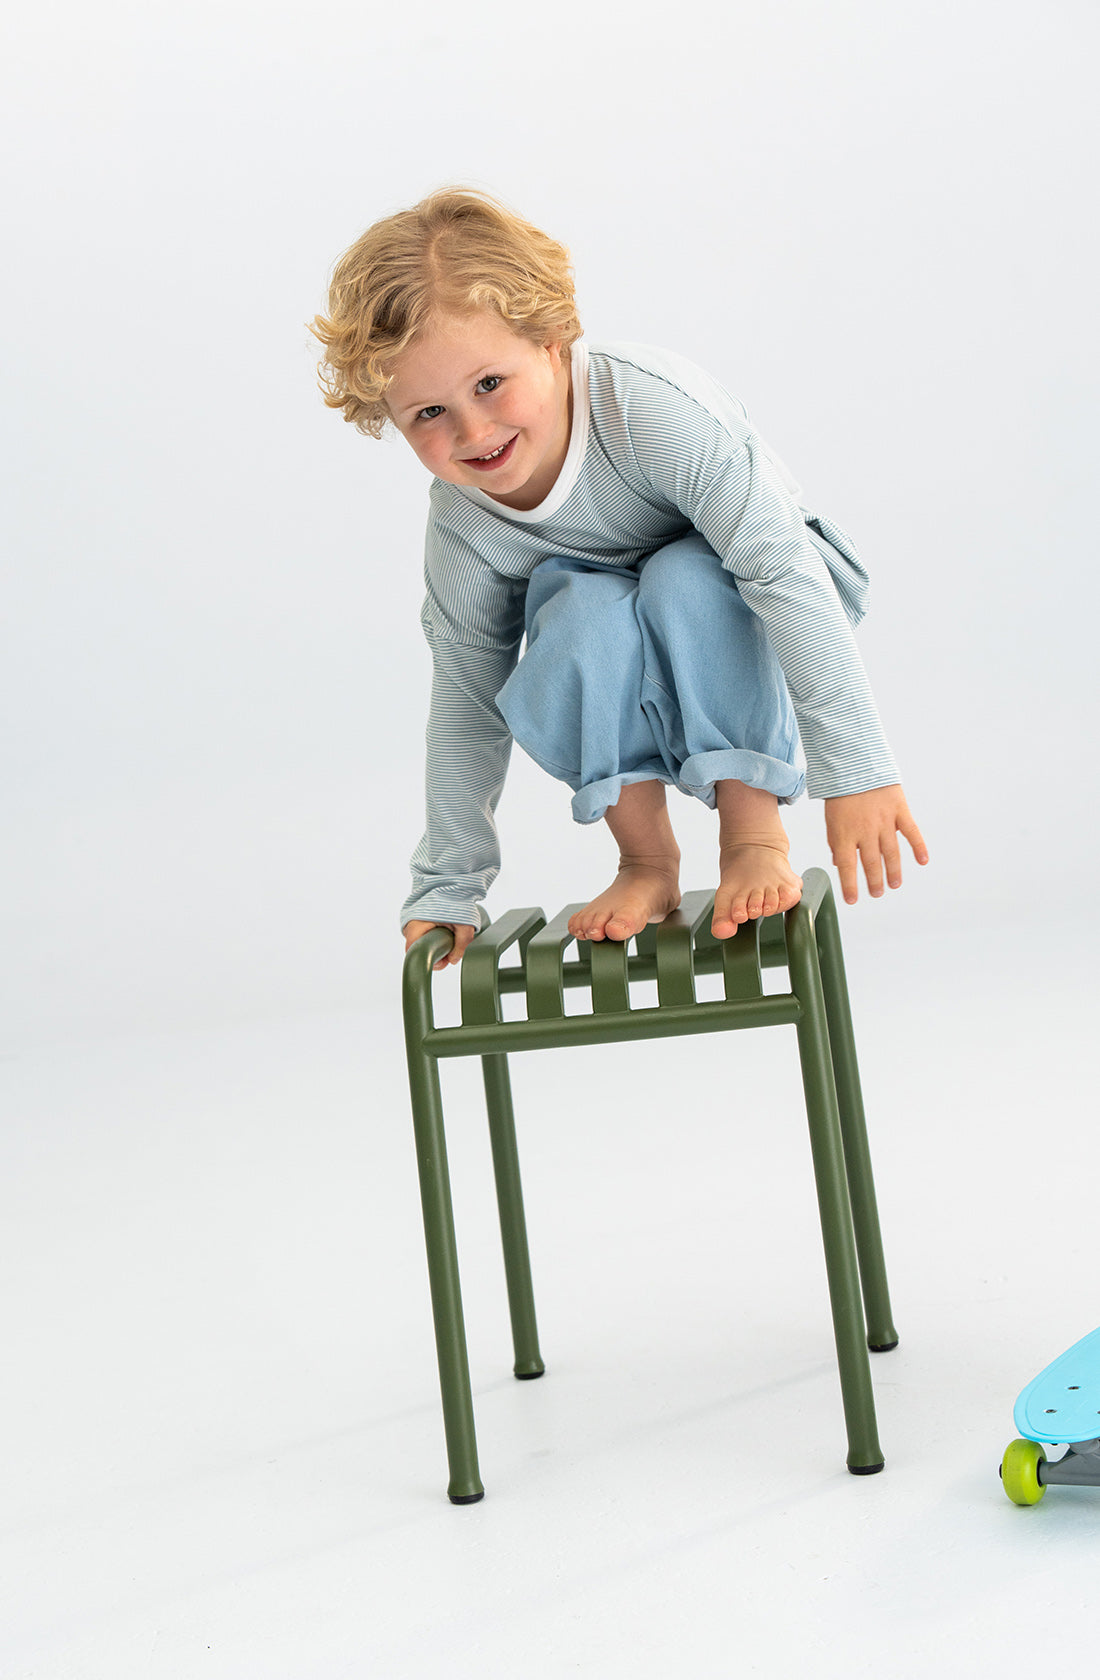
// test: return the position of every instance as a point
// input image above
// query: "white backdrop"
(876, 224)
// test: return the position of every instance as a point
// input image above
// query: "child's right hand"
(462, 933)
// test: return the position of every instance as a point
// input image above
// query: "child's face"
(482, 406)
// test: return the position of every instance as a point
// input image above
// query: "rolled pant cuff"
(591, 803)
(697, 778)
(736, 764)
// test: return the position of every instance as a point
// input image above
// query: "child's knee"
(580, 614)
(685, 581)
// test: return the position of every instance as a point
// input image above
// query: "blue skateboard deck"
(1062, 1404)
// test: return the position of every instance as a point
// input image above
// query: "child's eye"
(430, 413)
(489, 383)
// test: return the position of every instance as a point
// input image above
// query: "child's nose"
(473, 431)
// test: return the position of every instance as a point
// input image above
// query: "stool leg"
(465, 1486)
(864, 1452)
(881, 1334)
(513, 1226)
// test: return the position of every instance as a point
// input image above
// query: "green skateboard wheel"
(1020, 1472)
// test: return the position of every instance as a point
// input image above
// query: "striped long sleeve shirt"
(657, 447)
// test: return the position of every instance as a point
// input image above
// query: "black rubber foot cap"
(465, 1498)
(867, 1469)
(882, 1347)
(528, 1376)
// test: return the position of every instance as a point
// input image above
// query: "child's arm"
(473, 620)
(468, 750)
(720, 476)
(864, 828)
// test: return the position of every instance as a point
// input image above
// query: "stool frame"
(806, 940)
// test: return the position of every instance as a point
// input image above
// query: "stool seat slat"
(675, 947)
(545, 986)
(481, 977)
(610, 984)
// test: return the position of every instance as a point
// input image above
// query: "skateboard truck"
(1079, 1467)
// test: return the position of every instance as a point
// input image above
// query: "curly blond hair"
(455, 252)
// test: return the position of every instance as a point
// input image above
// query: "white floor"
(224, 1453)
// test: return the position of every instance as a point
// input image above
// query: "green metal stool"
(806, 940)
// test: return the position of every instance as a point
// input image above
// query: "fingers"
(845, 861)
(914, 836)
(880, 858)
(890, 853)
(871, 854)
(462, 936)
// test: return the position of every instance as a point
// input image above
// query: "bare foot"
(756, 881)
(647, 886)
(640, 893)
(756, 878)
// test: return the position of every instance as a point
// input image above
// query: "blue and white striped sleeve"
(735, 496)
(473, 621)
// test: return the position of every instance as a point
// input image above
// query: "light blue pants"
(654, 672)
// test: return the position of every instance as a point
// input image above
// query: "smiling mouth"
(487, 463)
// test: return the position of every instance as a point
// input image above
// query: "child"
(615, 505)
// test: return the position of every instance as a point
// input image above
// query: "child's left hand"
(864, 828)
